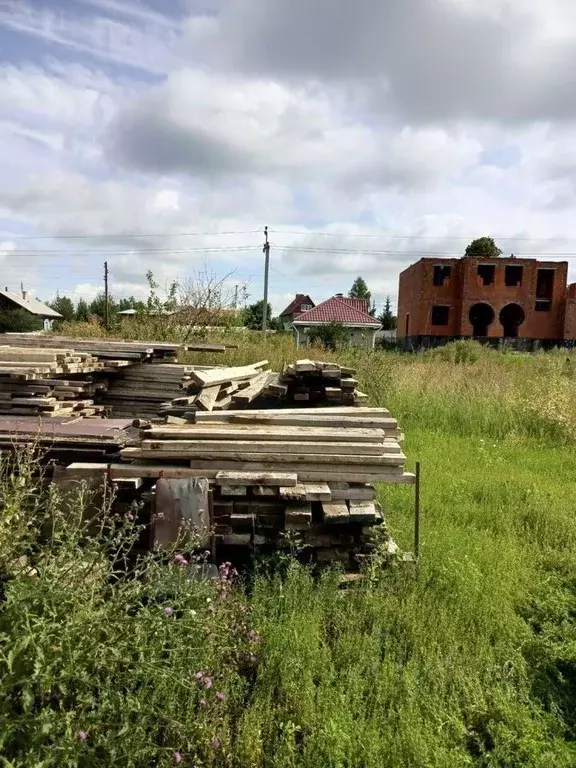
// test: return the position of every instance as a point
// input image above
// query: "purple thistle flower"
(216, 743)
(168, 611)
(178, 558)
(199, 675)
(207, 682)
(130, 516)
(177, 757)
(82, 735)
(220, 696)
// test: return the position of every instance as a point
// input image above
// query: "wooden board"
(195, 447)
(172, 450)
(317, 492)
(226, 375)
(201, 431)
(207, 398)
(335, 512)
(276, 479)
(362, 511)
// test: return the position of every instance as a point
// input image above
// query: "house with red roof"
(301, 303)
(353, 314)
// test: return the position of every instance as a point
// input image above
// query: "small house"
(301, 303)
(10, 301)
(353, 314)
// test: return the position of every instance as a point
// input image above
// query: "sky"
(164, 135)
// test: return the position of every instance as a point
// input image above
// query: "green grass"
(468, 661)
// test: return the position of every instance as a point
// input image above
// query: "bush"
(19, 321)
(331, 336)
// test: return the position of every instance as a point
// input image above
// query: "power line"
(313, 249)
(419, 237)
(135, 251)
(135, 236)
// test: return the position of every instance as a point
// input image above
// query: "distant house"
(10, 301)
(351, 313)
(301, 303)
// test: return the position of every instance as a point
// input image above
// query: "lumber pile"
(68, 440)
(140, 390)
(219, 388)
(314, 382)
(309, 473)
(305, 382)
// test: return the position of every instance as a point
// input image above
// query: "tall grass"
(469, 660)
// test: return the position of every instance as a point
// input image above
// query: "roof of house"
(338, 310)
(30, 304)
(296, 303)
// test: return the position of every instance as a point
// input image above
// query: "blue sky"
(163, 135)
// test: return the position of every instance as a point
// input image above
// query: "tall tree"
(482, 248)
(387, 317)
(64, 306)
(82, 312)
(359, 290)
(254, 314)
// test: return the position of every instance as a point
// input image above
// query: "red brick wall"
(417, 296)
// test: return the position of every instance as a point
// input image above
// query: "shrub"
(331, 336)
(19, 321)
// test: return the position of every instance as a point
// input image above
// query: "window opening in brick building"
(440, 315)
(441, 274)
(480, 316)
(486, 272)
(544, 289)
(513, 275)
(511, 317)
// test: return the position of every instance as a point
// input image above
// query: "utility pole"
(235, 297)
(106, 302)
(266, 250)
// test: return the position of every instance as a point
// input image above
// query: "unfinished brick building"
(445, 299)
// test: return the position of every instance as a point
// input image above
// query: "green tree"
(332, 336)
(387, 318)
(482, 248)
(64, 306)
(82, 314)
(359, 290)
(129, 302)
(19, 321)
(253, 315)
(97, 307)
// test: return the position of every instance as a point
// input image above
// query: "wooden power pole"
(266, 250)
(106, 300)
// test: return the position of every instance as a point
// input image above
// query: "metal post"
(417, 514)
(266, 250)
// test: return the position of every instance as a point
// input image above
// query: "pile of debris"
(305, 381)
(305, 472)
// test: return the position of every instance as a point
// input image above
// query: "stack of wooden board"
(67, 440)
(304, 382)
(32, 382)
(220, 388)
(308, 473)
(315, 382)
(140, 390)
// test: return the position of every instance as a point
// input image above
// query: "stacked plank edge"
(306, 473)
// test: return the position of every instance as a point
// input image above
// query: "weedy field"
(469, 661)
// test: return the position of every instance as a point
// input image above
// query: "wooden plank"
(276, 479)
(263, 490)
(362, 493)
(362, 511)
(290, 418)
(295, 493)
(213, 431)
(233, 490)
(335, 512)
(172, 450)
(195, 447)
(257, 385)
(298, 516)
(226, 375)
(318, 492)
(207, 398)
